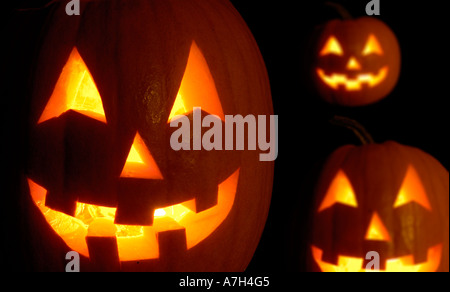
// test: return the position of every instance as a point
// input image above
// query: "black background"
(414, 114)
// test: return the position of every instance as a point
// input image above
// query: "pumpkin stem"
(356, 127)
(345, 14)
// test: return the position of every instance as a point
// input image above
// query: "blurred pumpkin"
(356, 61)
(387, 198)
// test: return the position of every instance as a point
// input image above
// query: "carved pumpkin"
(100, 168)
(387, 198)
(357, 62)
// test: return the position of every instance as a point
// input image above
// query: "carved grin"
(97, 221)
(401, 264)
(336, 80)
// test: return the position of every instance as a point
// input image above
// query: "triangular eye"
(372, 46)
(140, 162)
(75, 90)
(412, 190)
(332, 47)
(197, 88)
(340, 191)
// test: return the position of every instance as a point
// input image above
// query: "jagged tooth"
(102, 246)
(365, 86)
(206, 198)
(172, 247)
(421, 255)
(57, 201)
(134, 217)
(382, 263)
(342, 87)
(330, 257)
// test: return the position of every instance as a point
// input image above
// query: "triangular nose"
(377, 230)
(353, 64)
(140, 162)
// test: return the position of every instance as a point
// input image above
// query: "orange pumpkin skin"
(352, 73)
(137, 53)
(392, 199)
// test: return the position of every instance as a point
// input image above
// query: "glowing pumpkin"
(101, 170)
(357, 62)
(387, 198)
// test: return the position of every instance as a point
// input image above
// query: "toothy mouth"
(137, 242)
(336, 81)
(401, 264)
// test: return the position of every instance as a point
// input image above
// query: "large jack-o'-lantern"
(100, 167)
